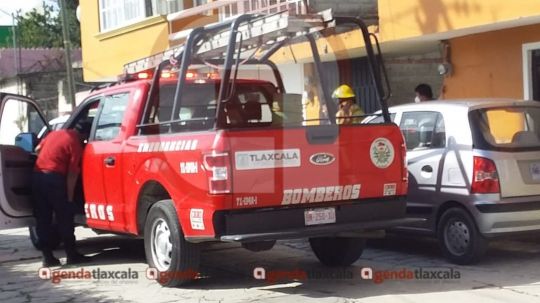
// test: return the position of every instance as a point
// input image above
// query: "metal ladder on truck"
(221, 43)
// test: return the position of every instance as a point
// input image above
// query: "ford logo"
(322, 159)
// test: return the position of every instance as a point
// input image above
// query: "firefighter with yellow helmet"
(348, 111)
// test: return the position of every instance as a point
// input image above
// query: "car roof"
(61, 119)
(460, 104)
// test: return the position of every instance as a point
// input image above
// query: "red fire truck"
(208, 145)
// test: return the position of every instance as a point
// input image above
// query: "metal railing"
(226, 9)
(230, 8)
(294, 7)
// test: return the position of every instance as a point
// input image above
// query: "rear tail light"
(218, 167)
(485, 177)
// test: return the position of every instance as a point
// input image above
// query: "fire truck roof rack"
(260, 30)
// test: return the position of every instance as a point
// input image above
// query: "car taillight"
(485, 177)
(218, 168)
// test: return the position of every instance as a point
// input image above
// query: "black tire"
(337, 251)
(166, 249)
(459, 238)
(55, 237)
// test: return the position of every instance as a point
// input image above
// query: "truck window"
(111, 116)
(18, 117)
(251, 103)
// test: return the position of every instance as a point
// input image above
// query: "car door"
(425, 137)
(102, 165)
(20, 123)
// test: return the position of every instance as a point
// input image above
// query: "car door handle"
(427, 169)
(109, 161)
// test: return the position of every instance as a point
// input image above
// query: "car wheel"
(459, 238)
(337, 251)
(175, 260)
(55, 237)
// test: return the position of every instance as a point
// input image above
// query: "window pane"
(250, 106)
(511, 127)
(121, 12)
(111, 117)
(199, 2)
(18, 117)
(423, 130)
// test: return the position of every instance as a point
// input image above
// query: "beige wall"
(489, 64)
(400, 19)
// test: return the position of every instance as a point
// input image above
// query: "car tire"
(337, 251)
(459, 238)
(175, 260)
(55, 237)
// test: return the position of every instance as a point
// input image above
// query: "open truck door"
(20, 124)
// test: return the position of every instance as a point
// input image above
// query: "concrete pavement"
(509, 273)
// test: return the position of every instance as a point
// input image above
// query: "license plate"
(316, 216)
(535, 171)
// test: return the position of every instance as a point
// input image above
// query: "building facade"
(471, 48)
(487, 48)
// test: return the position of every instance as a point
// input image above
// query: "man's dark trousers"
(49, 190)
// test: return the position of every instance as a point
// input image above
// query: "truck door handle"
(109, 161)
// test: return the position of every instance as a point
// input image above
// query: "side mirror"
(26, 141)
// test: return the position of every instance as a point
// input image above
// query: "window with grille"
(117, 13)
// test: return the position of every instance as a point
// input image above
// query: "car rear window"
(515, 127)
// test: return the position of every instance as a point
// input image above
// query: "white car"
(54, 124)
(474, 170)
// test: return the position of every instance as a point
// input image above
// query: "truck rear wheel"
(167, 251)
(337, 251)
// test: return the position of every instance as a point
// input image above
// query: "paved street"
(509, 273)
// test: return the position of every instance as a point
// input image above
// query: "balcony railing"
(230, 8)
(295, 7)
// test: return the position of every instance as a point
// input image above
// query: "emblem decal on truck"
(262, 159)
(246, 201)
(321, 194)
(99, 212)
(196, 218)
(189, 167)
(322, 159)
(389, 189)
(381, 152)
(166, 146)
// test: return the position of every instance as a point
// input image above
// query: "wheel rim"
(161, 245)
(457, 237)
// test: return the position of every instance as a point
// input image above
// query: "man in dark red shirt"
(53, 184)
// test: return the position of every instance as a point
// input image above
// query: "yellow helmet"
(343, 92)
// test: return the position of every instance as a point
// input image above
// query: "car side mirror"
(26, 141)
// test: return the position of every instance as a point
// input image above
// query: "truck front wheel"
(175, 260)
(337, 251)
